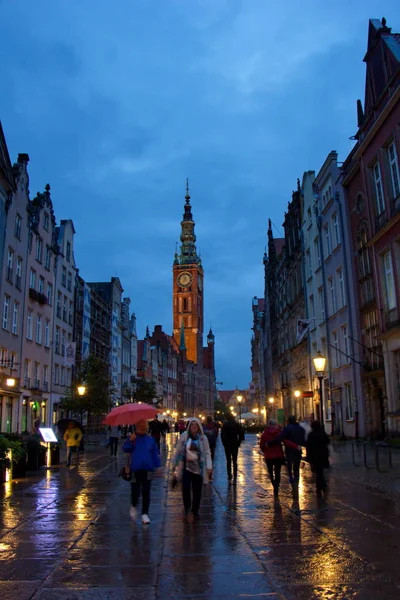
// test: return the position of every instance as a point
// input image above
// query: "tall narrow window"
(69, 281)
(6, 312)
(312, 309)
(332, 294)
(321, 303)
(32, 279)
(49, 294)
(57, 348)
(46, 221)
(394, 169)
(349, 401)
(317, 252)
(335, 344)
(59, 301)
(68, 253)
(41, 285)
(17, 229)
(342, 290)
(39, 329)
(39, 249)
(15, 318)
(29, 324)
(309, 265)
(328, 247)
(64, 277)
(389, 281)
(380, 201)
(47, 334)
(336, 230)
(10, 262)
(18, 273)
(47, 258)
(346, 345)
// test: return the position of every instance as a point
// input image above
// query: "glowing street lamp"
(10, 381)
(81, 390)
(319, 365)
(239, 398)
(297, 393)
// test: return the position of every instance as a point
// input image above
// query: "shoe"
(145, 519)
(133, 512)
(190, 517)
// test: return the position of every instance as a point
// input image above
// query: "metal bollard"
(353, 445)
(383, 445)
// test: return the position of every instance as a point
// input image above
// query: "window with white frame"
(32, 279)
(6, 311)
(47, 333)
(335, 344)
(10, 262)
(394, 169)
(18, 226)
(3, 356)
(64, 277)
(328, 247)
(18, 273)
(312, 308)
(39, 249)
(63, 342)
(49, 294)
(342, 289)
(15, 318)
(346, 345)
(45, 373)
(309, 266)
(69, 281)
(59, 301)
(336, 230)
(380, 200)
(70, 312)
(29, 324)
(27, 368)
(390, 291)
(349, 401)
(38, 329)
(56, 374)
(332, 295)
(47, 258)
(57, 340)
(68, 253)
(321, 303)
(46, 221)
(41, 285)
(317, 252)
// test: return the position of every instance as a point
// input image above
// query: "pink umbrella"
(131, 413)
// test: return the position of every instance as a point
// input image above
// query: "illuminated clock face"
(184, 279)
(200, 282)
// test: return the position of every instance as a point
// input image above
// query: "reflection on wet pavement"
(68, 535)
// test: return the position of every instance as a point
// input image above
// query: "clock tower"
(187, 302)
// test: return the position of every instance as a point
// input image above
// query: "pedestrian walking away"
(73, 437)
(293, 432)
(273, 455)
(317, 446)
(114, 434)
(144, 461)
(211, 432)
(232, 436)
(155, 430)
(193, 467)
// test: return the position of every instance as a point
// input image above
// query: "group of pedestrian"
(294, 436)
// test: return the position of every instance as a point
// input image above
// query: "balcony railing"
(35, 384)
(45, 386)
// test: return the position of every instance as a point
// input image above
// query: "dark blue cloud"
(117, 105)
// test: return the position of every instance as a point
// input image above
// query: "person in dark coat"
(318, 454)
(273, 455)
(211, 431)
(232, 436)
(293, 432)
(155, 430)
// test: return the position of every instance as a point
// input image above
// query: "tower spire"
(188, 254)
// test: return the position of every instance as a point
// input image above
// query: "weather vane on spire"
(187, 197)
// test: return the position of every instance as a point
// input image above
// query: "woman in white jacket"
(193, 466)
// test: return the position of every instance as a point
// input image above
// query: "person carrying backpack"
(211, 432)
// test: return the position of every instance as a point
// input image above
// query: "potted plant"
(6, 462)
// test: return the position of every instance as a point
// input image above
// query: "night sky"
(116, 103)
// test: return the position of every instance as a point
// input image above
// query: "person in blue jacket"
(145, 459)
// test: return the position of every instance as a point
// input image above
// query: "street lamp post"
(239, 398)
(271, 401)
(297, 395)
(319, 365)
(81, 392)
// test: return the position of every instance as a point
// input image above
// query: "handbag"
(126, 473)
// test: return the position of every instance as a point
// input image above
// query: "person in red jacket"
(273, 455)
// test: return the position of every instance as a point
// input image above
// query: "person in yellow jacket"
(72, 437)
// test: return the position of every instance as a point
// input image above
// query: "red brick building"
(371, 180)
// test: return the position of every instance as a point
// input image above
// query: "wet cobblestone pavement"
(67, 535)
